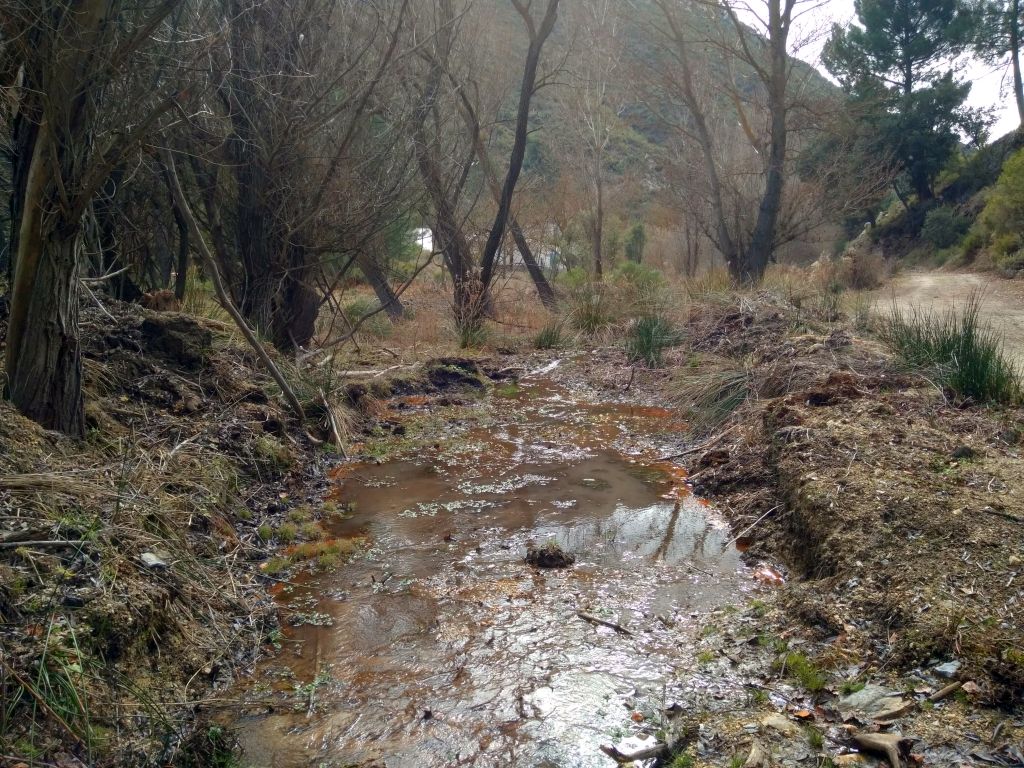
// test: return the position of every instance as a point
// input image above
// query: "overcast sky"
(987, 89)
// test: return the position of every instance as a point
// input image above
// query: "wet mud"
(440, 646)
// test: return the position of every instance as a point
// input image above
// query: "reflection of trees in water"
(670, 531)
(660, 533)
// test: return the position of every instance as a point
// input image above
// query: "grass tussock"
(965, 354)
(648, 340)
(551, 336)
(712, 390)
(591, 308)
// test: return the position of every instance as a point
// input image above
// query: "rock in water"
(549, 556)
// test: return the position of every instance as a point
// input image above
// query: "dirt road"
(1003, 300)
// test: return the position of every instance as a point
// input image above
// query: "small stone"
(949, 669)
(152, 561)
(781, 724)
(1014, 560)
(850, 759)
(869, 702)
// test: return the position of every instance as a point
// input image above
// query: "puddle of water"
(444, 648)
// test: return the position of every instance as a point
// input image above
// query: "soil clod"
(549, 556)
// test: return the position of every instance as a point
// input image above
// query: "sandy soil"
(1003, 299)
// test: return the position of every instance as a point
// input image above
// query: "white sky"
(987, 85)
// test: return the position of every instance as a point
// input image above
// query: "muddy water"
(441, 647)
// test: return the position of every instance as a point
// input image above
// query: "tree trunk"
(762, 243)
(526, 90)
(725, 242)
(44, 365)
(381, 287)
(597, 228)
(544, 289)
(1018, 81)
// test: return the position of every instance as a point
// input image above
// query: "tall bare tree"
(445, 154)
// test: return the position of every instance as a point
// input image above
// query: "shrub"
(643, 289)
(649, 339)
(865, 270)
(965, 353)
(636, 241)
(1004, 209)
(943, 227)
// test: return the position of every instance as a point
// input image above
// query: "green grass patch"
(802, 670)
(551, 336)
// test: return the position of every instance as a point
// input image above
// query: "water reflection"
(446, 649)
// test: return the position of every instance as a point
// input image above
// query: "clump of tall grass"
(199, 299)
(590, 308)
(649, 337)
(549, 337)
(712, 390)
(367, 312)
(716, 283)
(965, 352)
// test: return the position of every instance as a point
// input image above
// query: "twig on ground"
(751, 527)
(601, 622)
(698, 448)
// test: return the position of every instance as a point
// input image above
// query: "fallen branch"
(700, 447)
(42, 544)
(602, 623)
(221, 291)
(942, 693)
(658, 750)
(1003, 515)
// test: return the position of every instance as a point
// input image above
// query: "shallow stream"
(442, 647)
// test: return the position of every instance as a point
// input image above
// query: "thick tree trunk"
(762, 243)
(44, 366)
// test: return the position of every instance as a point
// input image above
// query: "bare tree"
(445, 154)
(81, 102)
(593, 105)
(754, 46)
(294, 128)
